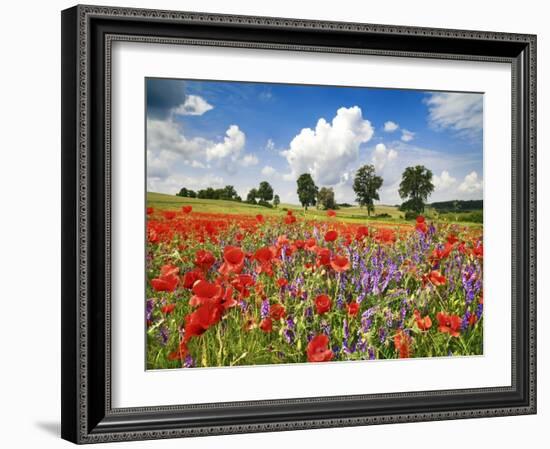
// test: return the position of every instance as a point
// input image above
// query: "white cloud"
(443, 181)
(193, 105)
(268, 170)
(461, 112)
(390, 126)
(270, 145)
(382, 155)
(249, 160)
(232, 145)
(172, 184)
(406, 135)
(471, 183)
(330, 148)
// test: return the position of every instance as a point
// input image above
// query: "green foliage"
(366, 185)
(228, 193)
(325, 198)
(276, 201)
(251, 197)
(307, 190)
(416, 186)
(458, 205)
(186, 193)
(265, 191)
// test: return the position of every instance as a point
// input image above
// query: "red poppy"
(478, 251)
(168, 279)
(449, 324)
(180, 353)
(233, 260)
(169, 214)
(290, 219)
(198, 322)
(331, 213)
(282, 282)
(340, 264)
(362, 232)
(150, 210)
(204, 259)
(472, 319)
(260, 218)
(264, 256)
(421, 226)
(241, 284)
(318, 350)
(191, 277)
(311, 244)
(266, 325)
(167, 309)
(323, 257)
(385, 235)
(322, 304)
(402, 343)
(186, 209)
(331, 236)
(353, 308)
(423, 323)
(277, 311)
(436, 278)
(420, 219)
(441, 253)
(299, 244)
(452, 239)
(204, 291)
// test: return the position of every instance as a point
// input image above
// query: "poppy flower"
(167, 309)
(233, 258)
(180, 353)
(449, 324)
(204, 291)
(241, 284)
(167, 281)
(323, 257)
(204, 317)
(353, 308)
(361, 233)
(436, 278)
(340, 264)
(204, 259)
(423, 323)
(277, 311)
(478, 251)
(150, 211)
(191, 277)
(452, 239)
(420, 219)
(260, 218)
(421, 226)
(385, 235)
(402, 343)
(331, 213)
(282, 282)
(169, 214)
(266, 325)
(311, 244)
(186, 209)
(318, 350)
(331, 236)
(290, 219)
(299, 244)
(322, 304)
(264, 256)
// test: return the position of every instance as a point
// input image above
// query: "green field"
(348, 214)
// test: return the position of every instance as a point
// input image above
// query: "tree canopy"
(265, 191)
(365, 186)
(415, 188)
(307, 190)
(325, 198)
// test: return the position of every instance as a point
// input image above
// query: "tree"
(307, 190)
(183, 192)
(251, 197)
(325, 198)
(365, 186)
(415, 188)
(228, 193)
(191, 193)
(265, 191)
(276, 201)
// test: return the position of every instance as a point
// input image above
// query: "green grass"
(348, 214)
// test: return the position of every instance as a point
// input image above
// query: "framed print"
(276, 224)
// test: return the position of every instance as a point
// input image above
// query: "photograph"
(293, 223)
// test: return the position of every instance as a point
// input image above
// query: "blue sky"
(214, 133)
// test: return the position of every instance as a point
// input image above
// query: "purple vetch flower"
(345, 329)
(479, 311)
(362, 345)
(243, 305)
(372, 355)
(308, 313)
(188, 362)
(264, 310)
(289, 335)
(163, 334)
(325, 328)
(382, 333)
(465, 320)
(149, 309)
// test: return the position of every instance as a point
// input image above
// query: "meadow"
(231, 284)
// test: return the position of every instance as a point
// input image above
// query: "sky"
(215, 133)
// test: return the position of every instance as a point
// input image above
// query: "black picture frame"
(87, 35)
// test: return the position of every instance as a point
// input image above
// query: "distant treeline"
(458, 206)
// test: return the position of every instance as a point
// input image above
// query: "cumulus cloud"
(232, 145)
(406, 135)
(443, 181)
(461, 112)
(270, 145)
(382, 155)
(268, 170)
(390, 126)
(249, 160)
(173, 183)
(193, 105)
(471, 183)
(327, 151)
